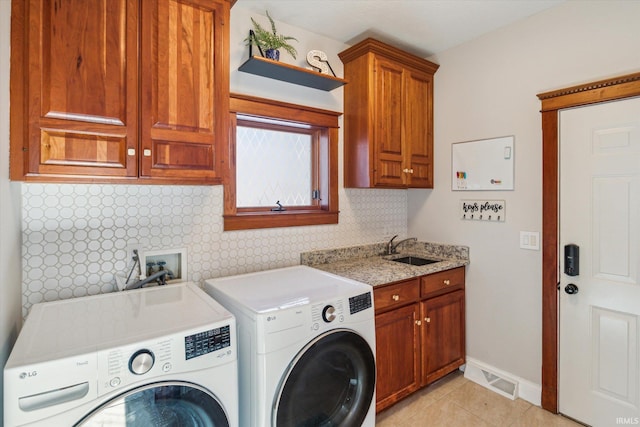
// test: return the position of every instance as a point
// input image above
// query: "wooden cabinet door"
(185, 88)
(388, 116)
(418, 129)
(443, 337)
(397, 350)
(80, 96)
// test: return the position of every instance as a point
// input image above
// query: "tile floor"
(457, 402)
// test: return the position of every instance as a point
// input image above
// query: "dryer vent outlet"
(496, 382)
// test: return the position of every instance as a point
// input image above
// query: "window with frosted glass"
(273, 166)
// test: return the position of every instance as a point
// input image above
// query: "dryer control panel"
(327, 312)
(337, 311)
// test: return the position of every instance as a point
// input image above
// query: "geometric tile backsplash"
(75, 236)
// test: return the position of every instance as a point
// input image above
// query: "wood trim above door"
(626, 86)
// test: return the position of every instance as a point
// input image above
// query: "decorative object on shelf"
(269, 41)
(483, 210)
(319, 62)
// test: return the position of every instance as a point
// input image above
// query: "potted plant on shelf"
(270, 41)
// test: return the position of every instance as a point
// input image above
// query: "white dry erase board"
(486, 164)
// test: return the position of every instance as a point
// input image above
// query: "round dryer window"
(330, 383)
(168, 404)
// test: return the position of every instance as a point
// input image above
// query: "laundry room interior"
(434, 296)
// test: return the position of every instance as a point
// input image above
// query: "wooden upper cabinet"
(388, 104)
(97, 85)
(388, 108)
(185, 88)
(418, 120)
(76, 73)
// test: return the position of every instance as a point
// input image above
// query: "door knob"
(571, 289)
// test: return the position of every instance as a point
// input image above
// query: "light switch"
(530, 240)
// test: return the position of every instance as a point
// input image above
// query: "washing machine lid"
(84, 325)
(283, 288)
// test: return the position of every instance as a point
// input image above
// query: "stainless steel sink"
(414, 260)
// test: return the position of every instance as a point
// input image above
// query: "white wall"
(10, 271)
(487, 88)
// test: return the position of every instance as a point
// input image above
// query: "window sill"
(252, 220)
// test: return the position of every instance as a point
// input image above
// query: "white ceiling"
(423, 27)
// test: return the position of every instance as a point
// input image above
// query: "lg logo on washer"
(24, 375)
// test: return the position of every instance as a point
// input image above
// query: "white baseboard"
(476, 371)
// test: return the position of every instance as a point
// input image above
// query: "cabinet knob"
(131, 151)
(427, 319)
(405, 170)
(147, 152)
(396, 297)
(447, 282)
(410, 170)
(418, 322)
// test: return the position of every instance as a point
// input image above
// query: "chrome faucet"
(391, 248)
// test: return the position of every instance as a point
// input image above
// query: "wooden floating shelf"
(290, 73)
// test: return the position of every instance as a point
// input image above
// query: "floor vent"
(493, 381)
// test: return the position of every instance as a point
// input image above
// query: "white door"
(600, 212)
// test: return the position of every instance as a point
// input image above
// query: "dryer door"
(331, 382)
(160, 404)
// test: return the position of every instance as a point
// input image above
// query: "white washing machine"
(306, 347)
(155, 356)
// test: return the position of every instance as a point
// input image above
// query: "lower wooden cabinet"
(397, 367)
(442, 335)
(420, 333)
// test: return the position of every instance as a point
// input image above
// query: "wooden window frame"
(324, 124)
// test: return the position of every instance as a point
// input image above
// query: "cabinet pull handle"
(418, 322)
(447, 282)
(396, 297)
(427, 319)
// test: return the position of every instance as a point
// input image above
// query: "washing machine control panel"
(145, 360)
(205, 342)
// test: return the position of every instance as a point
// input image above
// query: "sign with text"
(483, 210)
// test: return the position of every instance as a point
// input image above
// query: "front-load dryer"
(160, 356)
(306, 347)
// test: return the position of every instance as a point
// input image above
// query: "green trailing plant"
(266, 39)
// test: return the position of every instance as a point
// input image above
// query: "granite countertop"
(368, 264)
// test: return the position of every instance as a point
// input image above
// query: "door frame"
(590, 93)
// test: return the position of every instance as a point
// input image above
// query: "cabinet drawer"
(442, 282)
(395, 295)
